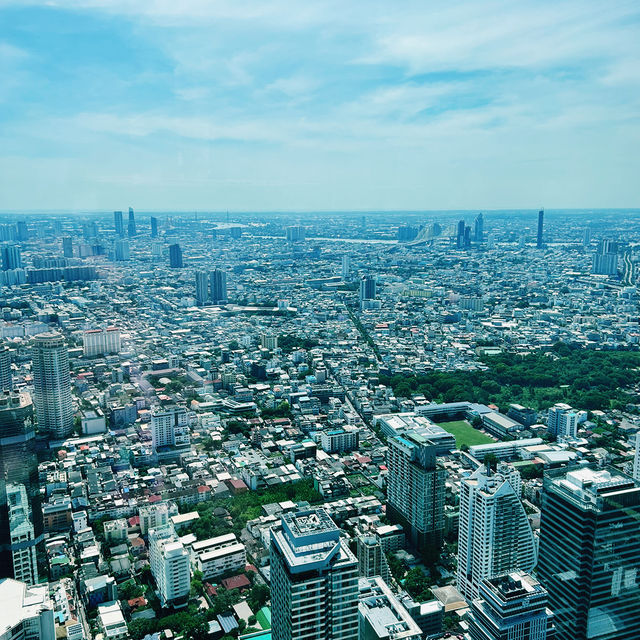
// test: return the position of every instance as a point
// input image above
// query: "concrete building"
(381, 616)
(511, 606)
(52, 385)
(494, 535)
(155, 516)
(169, 428)
(217, 556)
(26, 613)
(170, 566)
(371, 558)
(22, 535)
(562, 421)
(415, 491)
(589, 555)
(112, 622)
(314, 580)
(99, 342)
(6, 377)
(218, 286)
(339, 440)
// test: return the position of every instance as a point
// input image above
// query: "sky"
(214, 105)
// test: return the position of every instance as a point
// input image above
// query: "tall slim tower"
(11, 258)
(415, 491)
(175, 256)
(131, 227)
(154, 227)
(540, 242)
(314, 580)
(367, 289)
(478, 228)
(218, 286)
(494, 535)
(202, 288)
(119, 225)
(52, 384)
(589, 554)
(6, 377)
(67, 247)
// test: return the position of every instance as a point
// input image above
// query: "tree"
(258, 596)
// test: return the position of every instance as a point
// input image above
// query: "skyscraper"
(605, 259)
(175, 256)
(314, 580)
(636, 459)
(202, 288)
(117, 219)
(20, 511)
(52, 385)
(11, 258)
(154, 227)
(67, 247)
(478, 228)
(121, 250)
(6, 377)
(170, 566)
(589, 554)
(346, 267)
(169, 428)
(415, 491)
(22, 231)
(367, 288)
(131, 227)
(218, 286)
(539, 241)
(562, 421)
(494, 534)
(295, 233)
(511, 606)
(460, 235)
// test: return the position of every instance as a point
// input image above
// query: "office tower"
(22, 534)
(67, 247)
(169, 428)
(314, 580)
(371, 559)
(119, 224)
(467, 236)
(367, 288)
(346, 267)
(478, 228)
(175, 256)
(131, 226)
(11, 258)
(460, 235)
(381, 615)
(295, 233)
(562, 421)
(511, 606)
(52, 385)
(99, 342)
(6, 377)
(494, 534)
(202, 288)
(20, 511)
(586, 239)
(218, 286)
(89, 230)
(605, 260)
(539, 239)
(154, 227)
(589, 553)
(22, 231)
(415, 491)
(27, 611)
(121, 250)
(170, 566)
(636, 459)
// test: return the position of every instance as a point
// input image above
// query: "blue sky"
(303, 105)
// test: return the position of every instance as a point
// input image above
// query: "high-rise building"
(494, 534)
(371, 559)
(589, 553)
(562, 421)
(20, 513)
(460, 234)
(605, 259)
(121, 250)
(170, 428)
(540, 236)
(478, 228)
(131, 226)
(218, 286)
(314, 580)
(27, 611)
(511, 606)
(416, 491)
(586, 239)
(170, 566)
(6, 377)
(52, 385)
(202, 288)
(175, 256)
(22, 231)
(295, 233)
(154, 227)
(346, 267)
(98, 342)
(11, 258)
(367, 288)
(119, 224)
(67, 247)
(636, 460)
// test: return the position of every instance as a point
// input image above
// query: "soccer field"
(465, 433)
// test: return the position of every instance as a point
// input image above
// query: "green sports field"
(465, 433)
